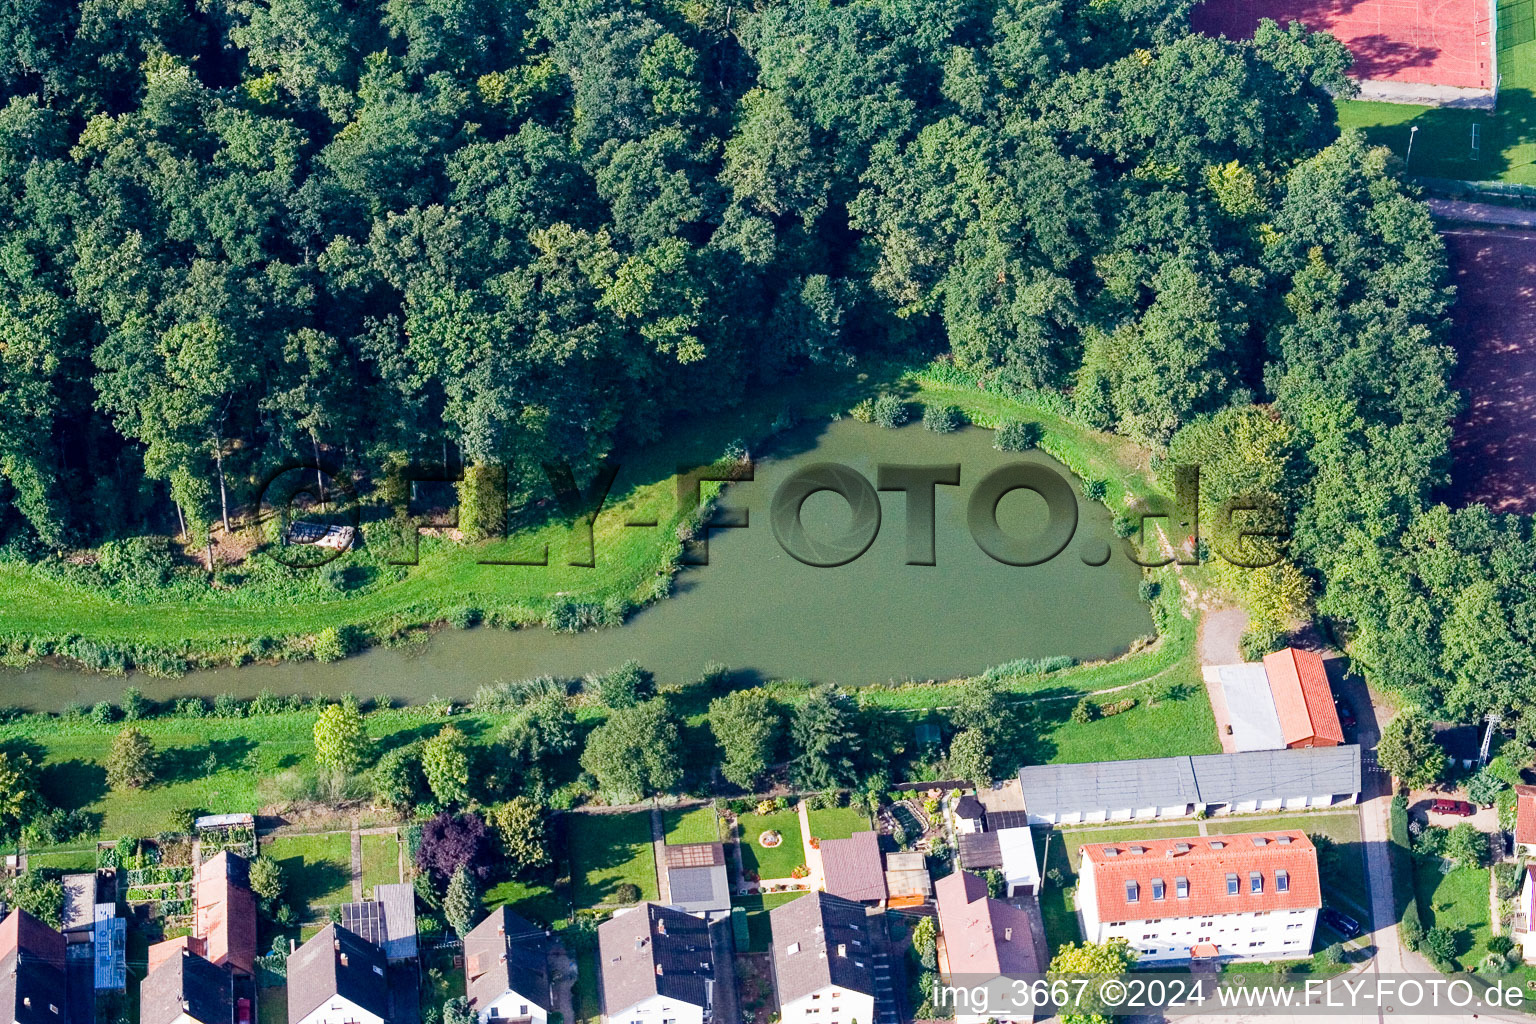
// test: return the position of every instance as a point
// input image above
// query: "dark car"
(1458, 808)
(1341, 923)
(1346, 714)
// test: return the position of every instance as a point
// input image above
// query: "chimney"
(343, 959)
(842, 949)
(658, 970)
(661, 926)
(1007, 934)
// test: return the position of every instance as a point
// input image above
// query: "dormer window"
(1282, 881)
(1132, 892)
(1231, 883)
(1181, 887)
(1255, 882)
(1158, 889)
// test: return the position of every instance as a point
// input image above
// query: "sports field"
(1494, 446)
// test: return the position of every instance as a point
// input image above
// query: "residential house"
(1007, 845)
(224, 921)
(1303, 699)
(1525, 820)
(1174, 787)
(506, 970)
(656, 965)
(1250, 896)
(982, 943)
(338, 977)
(34, 988)
(853, 869)
(388, 920)
(823, 961)
(187, 989)
(696, 878)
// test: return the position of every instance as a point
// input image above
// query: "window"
(1158, 891)
(1231, 884)
(1181, 887)
(1132, 892)
(1282, 881)
(1255, 882)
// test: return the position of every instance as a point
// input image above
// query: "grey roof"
(1268, 774)
(1059, 789)
(337, 962)
(505, 954)
(187, 984)
(654, 950)
(979, 851)
(388, 920)
(820, 940)
(79, 901)
(999, 820)
(1463, 742)
(1250, 706)
(696, 877)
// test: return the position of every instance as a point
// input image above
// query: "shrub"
(138, 565)
(1410, 929)
(1331, 955)
(181, 821)
(103, 713)
(227, 705)
(465, 618)
(1017, 436)
(333, 643)
(626, 892)
(1095, 490)
(1085, 711)
(1117, 707)
(1440, 946)
(452, 841)
(622, 687)
(398, 781)
(863, 410)
(1149, 589)
(890, 411)
(1124, 526)
(191, 707)
(135, 706)
(1501, 944)
(943, 419)
(132, 760)
(1484, 787)
(1257, 641)
(264, 704)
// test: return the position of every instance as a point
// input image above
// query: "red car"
(1459, 808)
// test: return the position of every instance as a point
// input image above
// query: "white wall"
(1272, 935)
(338, 1010)
(656, 1009)
(833, 1005)
(510, 1006)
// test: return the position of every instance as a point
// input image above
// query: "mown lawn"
(1456, 901)
(608, 850)
(317, 869)
(780, 860)
(532, 901)
(1056, 907)
(381, 860)
(838, 822)
(758, 925)
(693, 825)
(585, 994)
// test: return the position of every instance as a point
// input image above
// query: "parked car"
(1346, 714)
(1341, 923)
(1458, 808)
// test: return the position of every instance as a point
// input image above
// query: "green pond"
(761, 612)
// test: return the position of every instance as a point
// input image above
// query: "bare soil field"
(1494, 448)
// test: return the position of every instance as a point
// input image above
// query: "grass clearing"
(691, 825)
(584, 996)
(608, 850)
(1056, 907)
(532, 901)
(759, 928)
(381, 860)
(83, 859)
(838, 822)
(1456, 901)
(771, 862)
(317, 869)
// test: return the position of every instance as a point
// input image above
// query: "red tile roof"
(21, 931)
(1303, 700)
(853, 867)
(982, 936)
(160, 952)
(226, 912)
(1525, 814)
(1206, 862)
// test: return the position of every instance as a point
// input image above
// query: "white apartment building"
(1253, 896)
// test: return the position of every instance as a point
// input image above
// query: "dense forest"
(239, 231)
